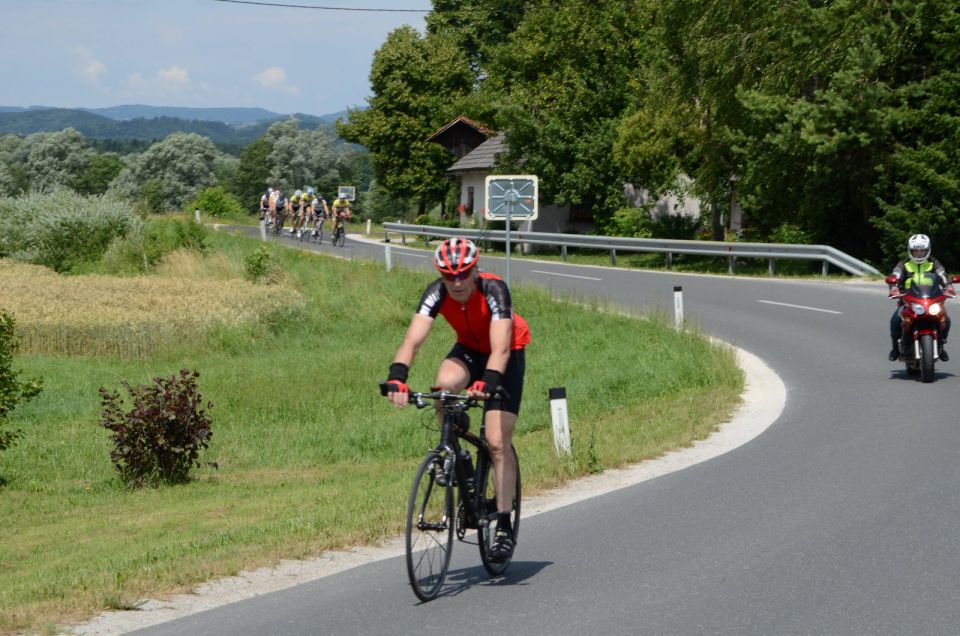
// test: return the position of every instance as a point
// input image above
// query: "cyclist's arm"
(501, 332)
(416, 334)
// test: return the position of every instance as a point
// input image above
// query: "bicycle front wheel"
(430, 524)
(487, 533)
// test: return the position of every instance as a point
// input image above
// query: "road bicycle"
(278, 226)
(449, 496)
(316, 234)
(339, 236)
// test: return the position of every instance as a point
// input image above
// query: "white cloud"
(136, 80)
(88, 68)
(276, 78)
(173, 77)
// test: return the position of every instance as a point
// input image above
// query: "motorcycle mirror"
(892, 280)
(955, 278)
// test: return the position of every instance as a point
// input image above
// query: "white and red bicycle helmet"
(455, 256)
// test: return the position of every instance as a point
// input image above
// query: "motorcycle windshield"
(921, 290)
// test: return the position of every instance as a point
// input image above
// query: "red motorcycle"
(923, 312)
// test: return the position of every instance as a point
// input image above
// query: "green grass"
(310, 457)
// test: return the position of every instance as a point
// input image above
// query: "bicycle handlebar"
(417, 398)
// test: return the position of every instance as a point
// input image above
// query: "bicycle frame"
(470, 486)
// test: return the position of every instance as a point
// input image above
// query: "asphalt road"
(839, 519)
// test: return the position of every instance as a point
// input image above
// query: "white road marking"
(826, 311)
(540, 271)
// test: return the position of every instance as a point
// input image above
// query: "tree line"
(167, 174)
(829, 122)
(96, 126)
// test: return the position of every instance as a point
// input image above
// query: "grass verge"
(311, 458)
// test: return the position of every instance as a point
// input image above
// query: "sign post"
(511, 198)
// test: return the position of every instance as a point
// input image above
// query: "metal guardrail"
(731, 251)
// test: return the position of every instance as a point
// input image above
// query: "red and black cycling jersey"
(471, 321)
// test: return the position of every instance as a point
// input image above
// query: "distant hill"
(225, 115)
(96, 126)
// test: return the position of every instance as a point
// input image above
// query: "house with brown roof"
(476, 148)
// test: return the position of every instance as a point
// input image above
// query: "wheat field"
(129, 318)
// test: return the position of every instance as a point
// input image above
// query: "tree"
(253, 173)
(7, 183)
(416, 83)
(477, 27)
(13, 391)
(303, 158)
(558, 84)
(686, 110)
(53, 160)
(95, 178)
(182, 165)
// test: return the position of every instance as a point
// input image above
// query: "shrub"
(790, 233)
(144, 247)
(152, 197)
(426, 219)
(12, 390)
(216, 202)
(159, 440)
(261, 266)
(62, 229)
(631, 222)
(190, 235)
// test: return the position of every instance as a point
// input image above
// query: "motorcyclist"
(909, 270)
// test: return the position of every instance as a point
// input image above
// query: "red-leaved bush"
(158, 440)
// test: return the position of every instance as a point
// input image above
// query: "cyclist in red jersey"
(488, 354)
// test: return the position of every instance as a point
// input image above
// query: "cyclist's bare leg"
(499, 432)
(452, 376)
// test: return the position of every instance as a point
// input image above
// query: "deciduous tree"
(417, 82)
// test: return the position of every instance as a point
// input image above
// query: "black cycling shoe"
(502, 548)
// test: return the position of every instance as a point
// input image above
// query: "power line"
(311, 6)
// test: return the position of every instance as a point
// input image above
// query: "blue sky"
(201, 53)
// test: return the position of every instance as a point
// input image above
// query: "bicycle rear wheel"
(429, 533)
(486, 534)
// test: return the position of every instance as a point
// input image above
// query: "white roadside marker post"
(678, 308)
(561, 425)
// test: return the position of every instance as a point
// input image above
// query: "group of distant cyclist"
(307, 212)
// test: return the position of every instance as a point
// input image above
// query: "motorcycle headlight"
(936, 309)
(918, 309)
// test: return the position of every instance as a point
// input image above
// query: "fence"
(731, 251)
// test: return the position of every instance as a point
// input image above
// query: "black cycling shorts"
(476, 363)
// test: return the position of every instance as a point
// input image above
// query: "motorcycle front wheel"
(926, 358)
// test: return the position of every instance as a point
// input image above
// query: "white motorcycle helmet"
(919, 248)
